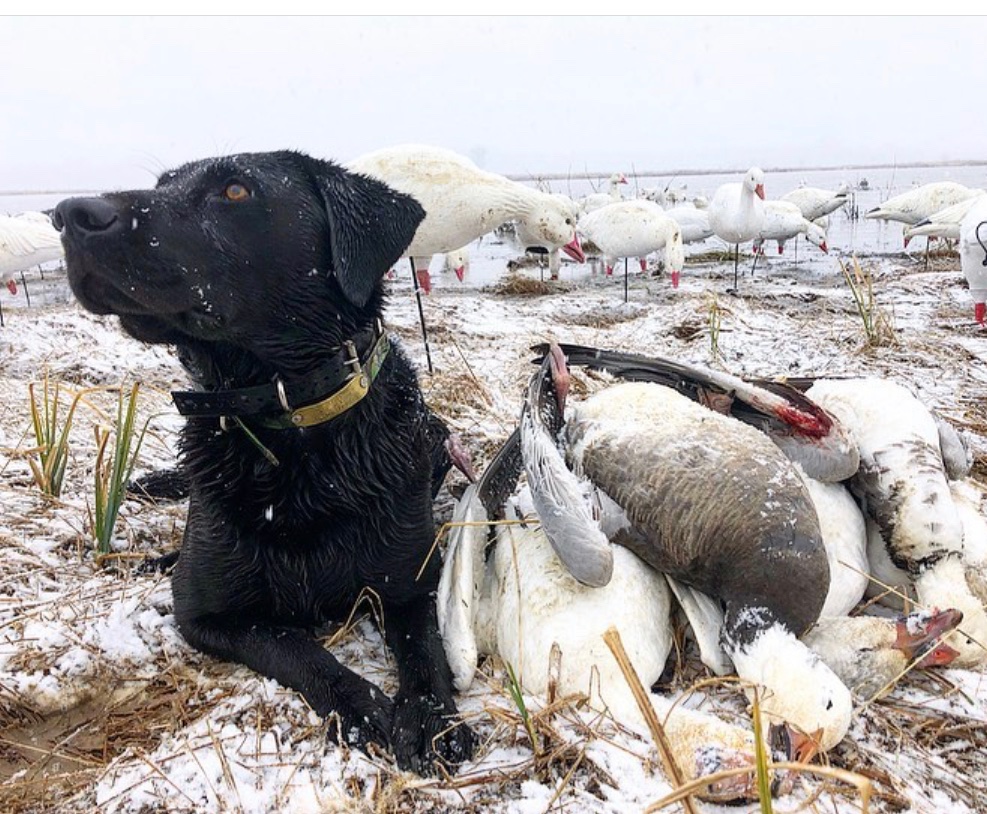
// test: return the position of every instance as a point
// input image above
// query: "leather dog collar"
(345, 376)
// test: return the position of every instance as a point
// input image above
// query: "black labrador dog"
(311, 455)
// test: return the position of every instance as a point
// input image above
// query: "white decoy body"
(783, 221)
(946, 222)
(595, 200)
(737, 210)
(26, 240)
(463, 202)
(693, 222)
(917, 204)
(815, 203)
(902, 484)
(635, 229)
(973, 256)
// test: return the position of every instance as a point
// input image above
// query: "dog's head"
(225, 249)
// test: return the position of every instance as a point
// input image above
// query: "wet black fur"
(246, 290)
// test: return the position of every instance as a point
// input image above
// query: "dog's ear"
(370, 225)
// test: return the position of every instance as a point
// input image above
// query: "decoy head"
(754, 181)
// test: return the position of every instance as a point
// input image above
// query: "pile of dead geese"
(765, 511)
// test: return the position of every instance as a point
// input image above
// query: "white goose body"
(461, 201)
(946, 222)
(844, 534)
(736, 212)
(784, 220)
(917, 204)
(815, 203)
(693, 222)
(903, 488)
(634, 229)
(529, 604)
(973, 255)
(26, 241)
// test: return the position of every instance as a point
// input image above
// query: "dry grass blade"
(863, 784)
(878, 328)
(612, 639)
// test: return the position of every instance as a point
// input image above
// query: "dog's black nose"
(86, 216)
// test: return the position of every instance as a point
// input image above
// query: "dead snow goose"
(801, 428)
(521, 603)
(902, 484)
(463, 202)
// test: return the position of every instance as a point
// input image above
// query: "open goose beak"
(574, 250)
(918, 636)
(793, 745)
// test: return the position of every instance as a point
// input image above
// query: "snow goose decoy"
(529, 238)
(945, 223)
(903, 487)
(815, 203)
(457, 261)
(595, 200)
(973, 256)
(26, 240)
(635, 229)
(693, 221)
(783, 221)
(917, 204)
(737, 212)
(463, 202)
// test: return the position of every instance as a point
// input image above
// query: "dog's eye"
(236, 192)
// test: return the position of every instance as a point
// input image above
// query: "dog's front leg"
(362, 712)
(426, 724)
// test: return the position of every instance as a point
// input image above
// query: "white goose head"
(551, 223)
(799, 692)
(754, 182)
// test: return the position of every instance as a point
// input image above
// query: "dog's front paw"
(361, 714)
(425, 731)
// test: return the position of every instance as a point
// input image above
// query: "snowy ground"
(103, 707)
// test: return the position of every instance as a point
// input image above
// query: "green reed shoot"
(51, 436)
(113, 471)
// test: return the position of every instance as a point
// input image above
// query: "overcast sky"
(109, 102)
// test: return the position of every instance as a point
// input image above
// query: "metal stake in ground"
(421, 314)
(27, 294)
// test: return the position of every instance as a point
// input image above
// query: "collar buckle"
(352, 362)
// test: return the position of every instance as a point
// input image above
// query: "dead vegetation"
(923, 746)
